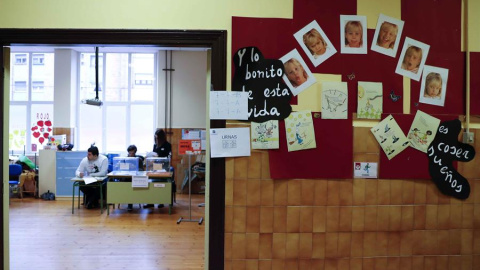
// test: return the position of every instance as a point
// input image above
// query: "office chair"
(14, 172)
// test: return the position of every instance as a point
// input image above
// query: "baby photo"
(315, 43)
(434, 86)
(412, 59)
(297, 75)
(353, 34)
(387, 35)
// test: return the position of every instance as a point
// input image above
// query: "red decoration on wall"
(333, 157)
(475, 83)
(437, 23)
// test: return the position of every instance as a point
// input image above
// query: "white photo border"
(330, 48)
(311, 79)
(444, 74)
(343, 21)
(399, 23)
(425, 48)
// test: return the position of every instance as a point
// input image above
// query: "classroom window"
(31, 101)
(127, 115)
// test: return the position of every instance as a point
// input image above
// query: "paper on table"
(89, 179)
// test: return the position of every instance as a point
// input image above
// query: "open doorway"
(214, 40)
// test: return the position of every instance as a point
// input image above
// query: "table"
(78, 182)
(159, 190)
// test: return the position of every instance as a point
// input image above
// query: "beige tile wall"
(347, 223)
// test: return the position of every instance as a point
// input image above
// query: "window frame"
(28, 103)
(107, 104)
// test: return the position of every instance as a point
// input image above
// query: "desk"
(159, 190)
(78, 182)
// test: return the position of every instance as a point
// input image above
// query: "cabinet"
(56, 169)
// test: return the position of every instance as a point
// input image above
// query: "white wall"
(65, 98)
(188, 89)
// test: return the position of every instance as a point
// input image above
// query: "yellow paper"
(423, 130)
(300, 133)
(372, 8)
(311, 99)
(390, 137)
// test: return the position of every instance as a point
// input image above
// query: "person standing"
(94, 165)
(163, 149)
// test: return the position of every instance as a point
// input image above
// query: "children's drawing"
(265, 135)
(423, 130)
(370, 99)
(390, 136)
(334, 100)
(300, 132)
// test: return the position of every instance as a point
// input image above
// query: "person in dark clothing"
(163, 149)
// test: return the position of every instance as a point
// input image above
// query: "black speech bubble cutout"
(443, 150)
(269, 96)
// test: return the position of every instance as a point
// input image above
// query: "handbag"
(48, 196)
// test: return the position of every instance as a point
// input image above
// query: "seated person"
(132, 152)
(92, 165)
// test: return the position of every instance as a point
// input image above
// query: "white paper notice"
(231, 105)
(365, 170)
(139, 181)
(89, 179)
(230, 142)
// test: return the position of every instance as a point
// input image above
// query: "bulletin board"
(475, 83)
(334, 139)
(410, 163)
(436, 23)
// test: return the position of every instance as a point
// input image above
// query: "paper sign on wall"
(231, 105)
(186, 147)
(390, 137)
(230, 142)
(365, 170)
(139, 181)
(265, 135)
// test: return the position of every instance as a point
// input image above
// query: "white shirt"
(98, 167)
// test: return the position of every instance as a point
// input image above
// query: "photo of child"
(315, 43)
(387, 35)
(297, 75)
(353, 34)
(434, 86)
(412, 59)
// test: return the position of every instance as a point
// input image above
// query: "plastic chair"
(14, 172)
